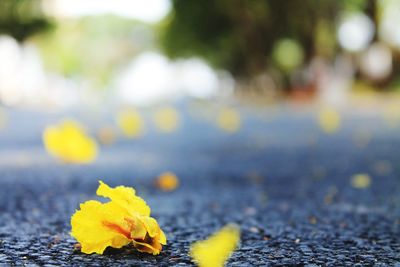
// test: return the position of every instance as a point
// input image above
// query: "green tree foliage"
(22, 18)
(240, 35)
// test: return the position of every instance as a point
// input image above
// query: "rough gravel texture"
(281, 179)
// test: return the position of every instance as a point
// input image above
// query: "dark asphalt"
(281, 179)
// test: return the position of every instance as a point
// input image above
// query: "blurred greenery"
(22, 18)
(93, 47)
(249, 38)
(241, 35)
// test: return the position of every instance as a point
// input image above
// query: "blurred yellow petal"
(68, 142)
(125, 219)
(361, 181)
(391, 114)
(125, 197)
(329, 120)
(215, 251)
(131, 123)
(167, 119)
(229, 120)
(167, 181)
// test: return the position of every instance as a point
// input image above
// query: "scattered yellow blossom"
(167, 181)
(68, 141)
(391, 114)
(228, 120)
(329, 120)
(123, 220)
(360, 181)
(214, 251)
(131, 123)
(106, 135)
(167, 119)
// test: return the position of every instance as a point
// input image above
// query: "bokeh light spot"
(167, 119)
(360, 181)
(106, 135)
(288, 53)
(131, 123)
(167, 181)
(329, 120)
(229, 120)
(355, 32)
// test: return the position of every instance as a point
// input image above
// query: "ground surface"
(280, 178)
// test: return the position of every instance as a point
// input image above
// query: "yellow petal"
(97, 226)
(167, 119)
(126, 198)
(329, 120)
(392, 114)
(150, 225)
(214, 251)
(69, 142)
(131, 123)
(139, 231)
(229, 120)
(167, 181)
(163, 238)
(154, 239)
(360, 181)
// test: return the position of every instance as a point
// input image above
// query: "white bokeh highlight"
(355, 32)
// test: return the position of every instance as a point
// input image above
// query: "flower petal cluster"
(123, 220)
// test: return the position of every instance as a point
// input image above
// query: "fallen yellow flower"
(214, 251)
(167, 181)
(229, 120)
(329, 120)
(131, 123)
(68, 142)
(125, 219)
(360, 181)
(391, 114)
(167, 119)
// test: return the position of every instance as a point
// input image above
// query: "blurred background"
(126, 70)
(59, 54)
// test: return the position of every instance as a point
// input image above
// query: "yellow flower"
(167, 119)
(360, 181)
(125, 219)
(69, 142)
(131, 123)
(329, 120)
(228, 120)
(167, 181)
(214, 251)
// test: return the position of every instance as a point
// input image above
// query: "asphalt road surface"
(280, 178)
